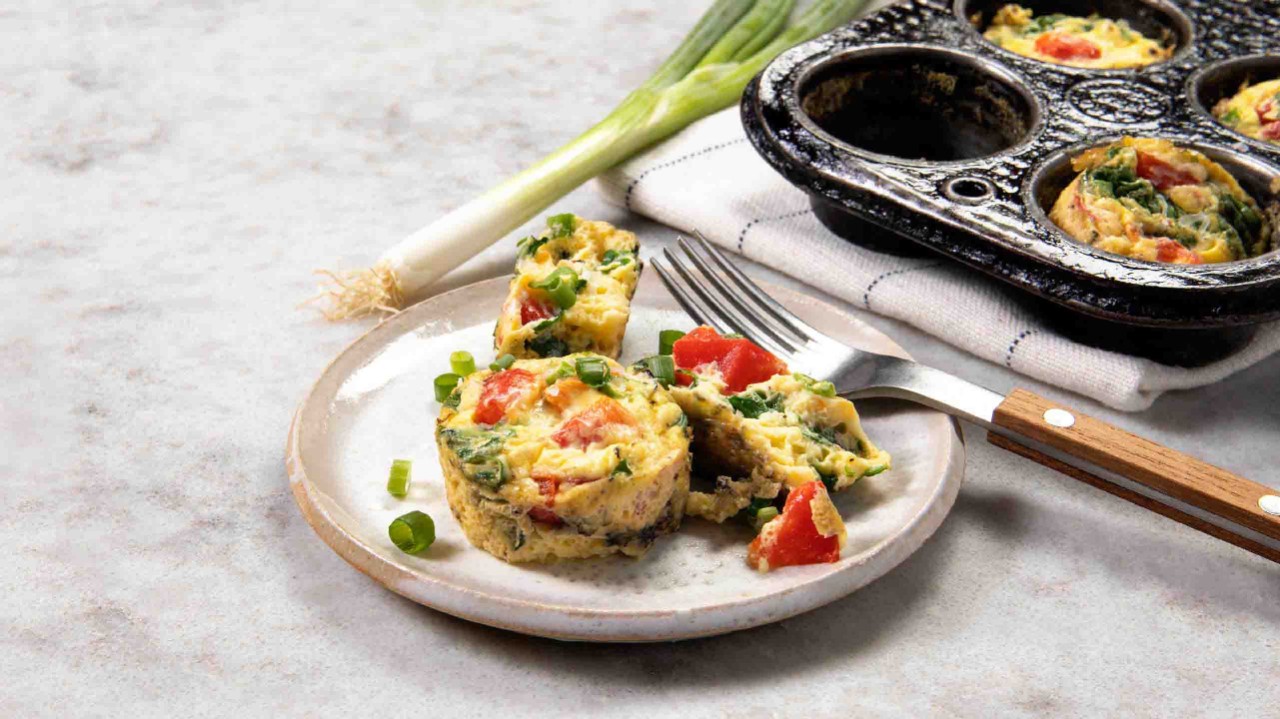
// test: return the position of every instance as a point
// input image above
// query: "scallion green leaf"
(559, 373)
(561, 286)
(412, 533)
(593, 371)
(662, 367)
(667, 340)
(561, 225)
(763, 516)
(462, 363)
(503, 362)
(445, 384)
(398, 479)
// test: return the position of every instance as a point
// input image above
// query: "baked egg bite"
(1150, 199)
(761, 429)
(571, 292)
(1254, 111)
(563, 459)
(1093, 42)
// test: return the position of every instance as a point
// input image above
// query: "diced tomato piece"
(1168, 250)
(500, 391)
(1268, 111)
(699, 347)
(1162, 174)
(747, 364)
(535, 309)
(1065, 46)
(795, 539)
(561, 394)
(684, 379)
(741, 361)
(1270, 131)
(545, 516)
(590, 424)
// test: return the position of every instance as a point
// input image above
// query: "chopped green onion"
(462, 363)
(764, 515)
(875, 470)
(561, 225)
(528, 247)
(445, 385)
(822, 389)
(547, 324)
(667, 340)
(559, 373)
(398, 480)
(662, 367)
(594, 371)
(621, 468)
(729, 45)
(412, 532)
(503, 362)
(561, 286)
(491, 474)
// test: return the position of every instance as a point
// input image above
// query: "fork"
(715, 292)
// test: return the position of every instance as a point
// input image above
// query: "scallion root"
(357, 293)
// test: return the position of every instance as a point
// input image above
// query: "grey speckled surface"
(173, 172)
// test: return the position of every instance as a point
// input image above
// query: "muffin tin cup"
(912, 133)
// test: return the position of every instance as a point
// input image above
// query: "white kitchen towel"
(709, 178)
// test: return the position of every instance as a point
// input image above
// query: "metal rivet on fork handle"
(1270, 504)
(1059, 418)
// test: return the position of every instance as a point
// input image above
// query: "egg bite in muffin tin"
(924, 129)
(571, 291)
(564, 458)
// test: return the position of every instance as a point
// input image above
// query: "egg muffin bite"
(1092, 42)
(1254, 111)
(1150, 199)
(762, 430)
(564, 459)
(571, 292)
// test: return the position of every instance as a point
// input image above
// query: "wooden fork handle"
(1173, 474)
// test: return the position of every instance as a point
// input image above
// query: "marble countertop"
(174, 172)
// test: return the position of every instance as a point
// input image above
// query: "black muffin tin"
(908, 124)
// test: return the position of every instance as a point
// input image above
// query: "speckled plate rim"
(605, 625)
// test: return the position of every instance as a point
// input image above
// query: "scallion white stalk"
(732, 41)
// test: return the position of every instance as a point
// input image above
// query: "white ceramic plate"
(375, 403)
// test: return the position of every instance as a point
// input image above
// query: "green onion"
(491, 474)
(561, 286)
(462, 363)
(662, 367)
(822, 389)
(667, 340)
(528, 247)
(764, 515)
(398, 480)
(561, 225)
(875, 470)
(445, 385)
(593, 371)
(728, 46)
(621, 468)
(547, 324)
(559, 373)
(503, 362)
(412, 532)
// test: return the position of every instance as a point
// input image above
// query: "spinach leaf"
(474, 446)
(822, 435)
(529, 245)
(752, 405)
(547, 345)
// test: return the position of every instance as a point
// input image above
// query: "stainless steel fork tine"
(687, 301)
(761, 298)
(727, 314)
(778, 330)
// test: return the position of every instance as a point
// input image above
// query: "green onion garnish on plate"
(445, 385)
(398, 480)
(503, 362)
(662, 367)
(593, 371)
(412, 532)
(561, 286)
(462, 363)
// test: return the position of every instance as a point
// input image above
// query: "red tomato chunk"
(500, 391)
(535, 309)
(741, 362)
(796, 539)
(1065, 46)
(1162, 174)
(590, 424)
